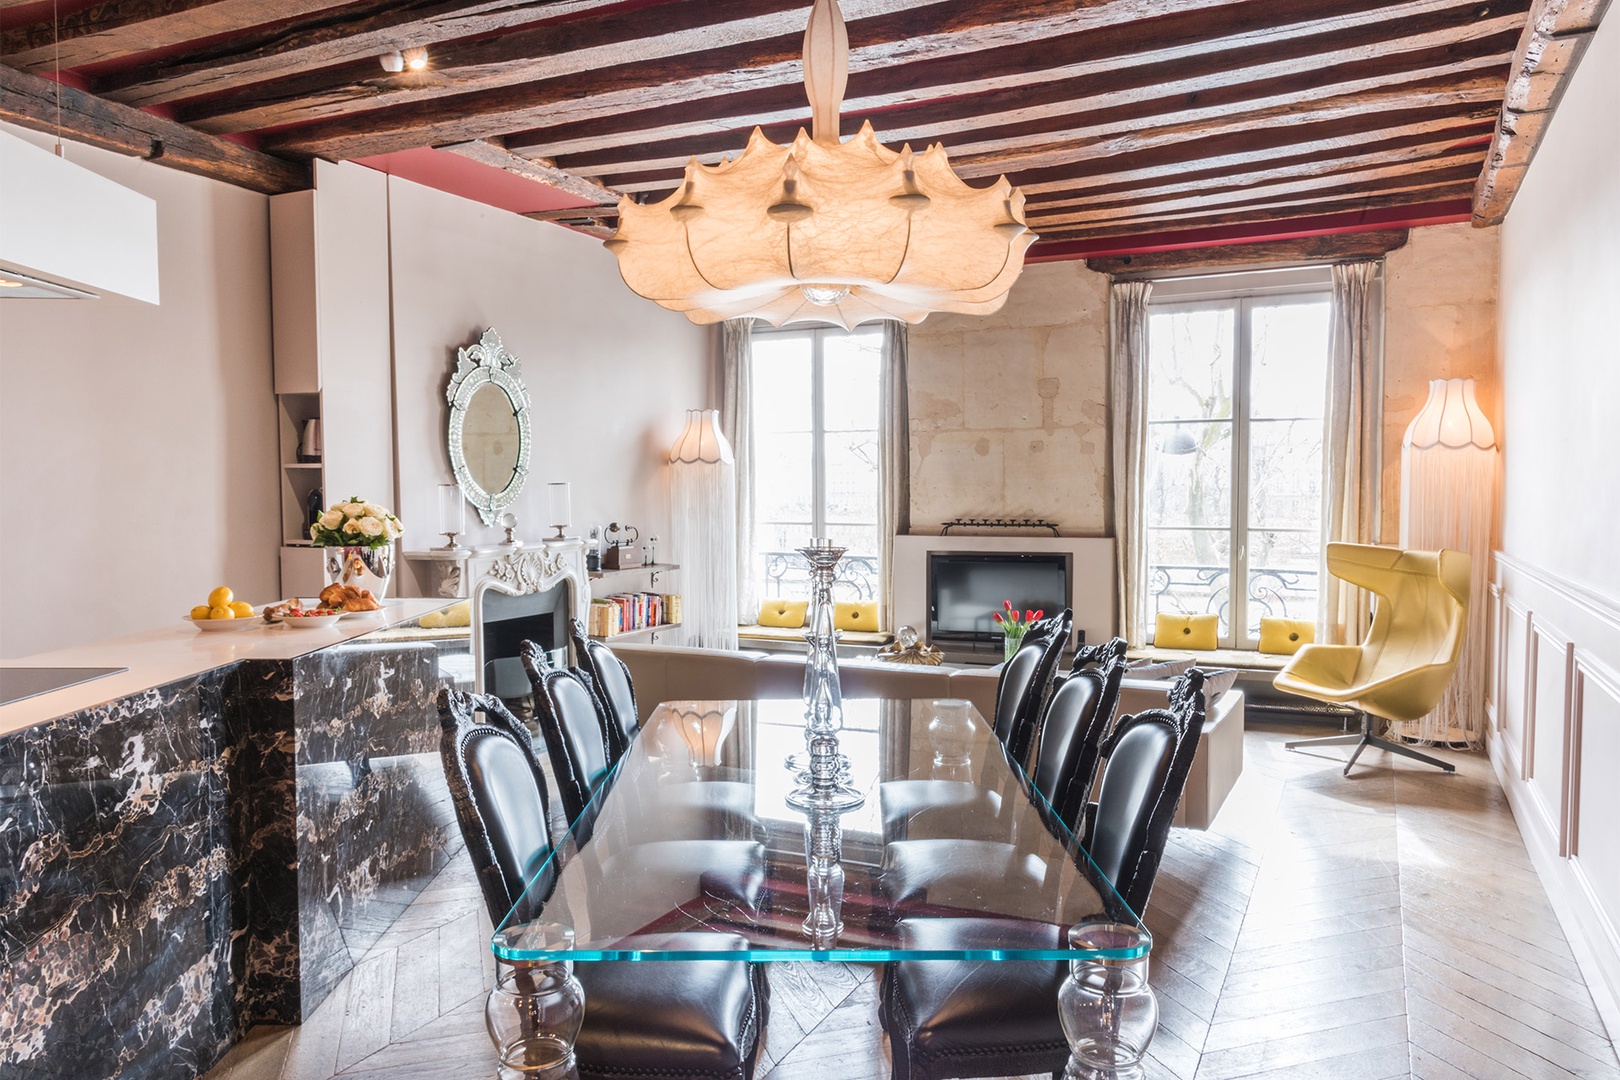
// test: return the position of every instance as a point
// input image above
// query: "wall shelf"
(645, 633)
(647, 568)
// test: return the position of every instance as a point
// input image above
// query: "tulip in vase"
(1013, 628)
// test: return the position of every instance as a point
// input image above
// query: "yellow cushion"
(1285, 636)
(788, 614)
(861, 616)
(1186, 631)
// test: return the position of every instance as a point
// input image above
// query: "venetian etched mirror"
(489, 426)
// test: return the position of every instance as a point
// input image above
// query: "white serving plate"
(225, 626)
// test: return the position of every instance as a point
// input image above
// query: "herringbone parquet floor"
(1384, 925)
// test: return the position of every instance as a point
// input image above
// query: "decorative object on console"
(824, 230)
(488, 437)
(452, 515)
(508, 523)
(652, 551)
(703, 519)
(907, 648)
(359, 540)
(1448, 486)
(560, 498)
(620, 554)
(1013, 628)
(1200, 633)
(998, 523)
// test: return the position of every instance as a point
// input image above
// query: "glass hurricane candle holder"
(1108, 1011)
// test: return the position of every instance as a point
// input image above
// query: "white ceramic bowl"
(226, 626)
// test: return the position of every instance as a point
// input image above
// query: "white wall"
(1556, 598)
(138, 442)
(610, 374)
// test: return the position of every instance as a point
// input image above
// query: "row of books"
(623, 612)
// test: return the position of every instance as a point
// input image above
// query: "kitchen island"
(206, 840)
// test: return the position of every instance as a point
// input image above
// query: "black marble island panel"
(212, 853)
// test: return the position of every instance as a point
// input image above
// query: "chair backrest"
(1423, 609)
(575, 740)
(615, 690)
(500, 797)
(1025, 680)
(1078, 716)
(1148, 758)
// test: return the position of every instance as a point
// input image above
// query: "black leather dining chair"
(968, 1019)
(571, 726)
(610, 680)
(1078, 716)
(667, 1020)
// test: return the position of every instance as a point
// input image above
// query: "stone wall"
(1009, 413)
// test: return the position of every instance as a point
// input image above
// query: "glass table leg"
(534, 1016)
(1107, 1008)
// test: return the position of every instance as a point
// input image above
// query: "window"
(815, 417)
(1236, 395)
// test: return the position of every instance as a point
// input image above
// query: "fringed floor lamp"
(703, 520)
(1448, 499)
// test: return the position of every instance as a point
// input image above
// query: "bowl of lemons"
(223, 613)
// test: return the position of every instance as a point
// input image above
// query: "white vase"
(363, 567)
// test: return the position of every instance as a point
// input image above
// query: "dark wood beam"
(119, 28)
(31, 102)
(903, 37)
(1226, 75)
(1342, 247)
(488, 153)
(1554, 39)
(356, 32)
(575, 213)
(1252, 221)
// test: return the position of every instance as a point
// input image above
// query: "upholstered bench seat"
(755, 632)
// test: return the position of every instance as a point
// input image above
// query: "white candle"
(561, 510)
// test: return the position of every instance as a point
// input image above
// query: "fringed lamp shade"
(703, 521)
(822, 230)
(1448, 500)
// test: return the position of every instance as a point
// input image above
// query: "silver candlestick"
(823, 774)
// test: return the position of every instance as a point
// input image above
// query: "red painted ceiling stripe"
(1389, 217)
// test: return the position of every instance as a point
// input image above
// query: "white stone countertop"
(180, 651)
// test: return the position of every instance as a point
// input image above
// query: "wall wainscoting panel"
(1556, 746)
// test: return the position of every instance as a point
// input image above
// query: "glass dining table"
(709, 841)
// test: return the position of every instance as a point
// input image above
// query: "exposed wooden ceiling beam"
(358, 31)
(1206, 83)
(488, 153)
(1339, 247)
(1555, 36)
(1347, 211)
(575, 213)
(120, 28)
(935, 31)
(31, 102)
(1389, 180)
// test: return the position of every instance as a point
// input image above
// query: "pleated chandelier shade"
(1448, 500)
(703, 523)
(823, 230)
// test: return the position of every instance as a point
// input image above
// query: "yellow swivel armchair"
(1402, 668)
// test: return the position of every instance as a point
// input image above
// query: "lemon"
(220, 611)
(200, 611)
(221, 597)
(241, 609)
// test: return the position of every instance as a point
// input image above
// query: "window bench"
(754, 636)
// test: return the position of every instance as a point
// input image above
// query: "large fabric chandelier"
(823, 230)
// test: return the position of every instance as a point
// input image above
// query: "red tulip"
(1007, 604)
(1029, 616)
(1038, 613)
(996, 616)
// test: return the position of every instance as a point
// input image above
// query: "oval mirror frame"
(478, 366)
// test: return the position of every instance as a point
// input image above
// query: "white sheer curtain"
(1128, 434)
(894, 462)
(736, 420)
(1351, 442)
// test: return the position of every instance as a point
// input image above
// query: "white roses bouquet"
(355, 523)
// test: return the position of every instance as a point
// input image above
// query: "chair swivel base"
(1366, 739)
